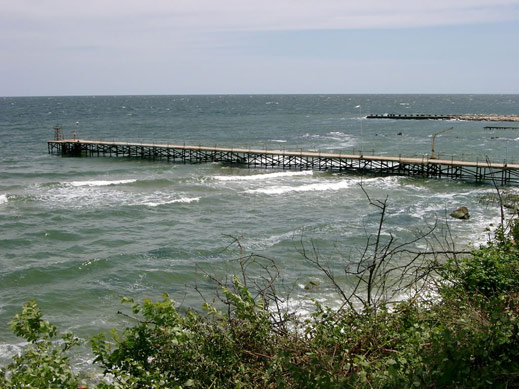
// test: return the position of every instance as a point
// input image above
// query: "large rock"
(312, 285)
(460, 213)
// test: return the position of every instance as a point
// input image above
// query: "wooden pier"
(475, 171)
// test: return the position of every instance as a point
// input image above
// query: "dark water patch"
(163, 252)
(155, 184)
(112, 242)
(14, 243)
(175, 256)
(38, 275)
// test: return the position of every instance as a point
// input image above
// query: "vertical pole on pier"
(361, 125)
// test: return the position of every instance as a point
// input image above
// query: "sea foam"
(326, 186)
(3, 199)
(266, 176)
(185, 200)
(100, 182)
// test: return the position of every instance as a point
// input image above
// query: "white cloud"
(229, 15)
(192, 24)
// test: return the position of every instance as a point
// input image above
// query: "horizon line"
(265, 94)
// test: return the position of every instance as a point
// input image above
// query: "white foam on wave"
(270, 241)
(308, 135)
(388, 182)
(318, 187)
(7, 351)
(100, 182)
(340, 140)
(81, 196)
(185, 200)
(422, 209)
(264, 176)
(303, 306)
(93, 196)
(475, 231)
(3, 199)
(333, 135)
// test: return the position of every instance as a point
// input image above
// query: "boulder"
(312, 285)
(460, 213)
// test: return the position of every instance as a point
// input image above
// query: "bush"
(492, 270)
(168, 349)
(43, 363)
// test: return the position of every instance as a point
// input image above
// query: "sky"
(135, 47)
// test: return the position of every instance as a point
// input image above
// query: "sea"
(77, 234)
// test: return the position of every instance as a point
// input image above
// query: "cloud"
(195, 24)
(246, 15)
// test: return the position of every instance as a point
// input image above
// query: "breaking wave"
(266, 176)
(185, 200)
(327, 186)
(100, 182)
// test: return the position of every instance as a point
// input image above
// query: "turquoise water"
(77, 234)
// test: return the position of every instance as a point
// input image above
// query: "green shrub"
(169, 349)
(43, 363)
(492, 269)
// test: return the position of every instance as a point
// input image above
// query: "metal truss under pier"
(479, 172)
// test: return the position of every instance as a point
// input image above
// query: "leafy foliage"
(43, 363)
(168, 349)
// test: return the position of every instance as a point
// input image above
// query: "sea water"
(78, 234)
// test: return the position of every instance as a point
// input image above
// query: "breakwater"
(467, 117)
(501, 128)
(477, 171)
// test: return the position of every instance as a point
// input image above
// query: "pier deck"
(476, 171)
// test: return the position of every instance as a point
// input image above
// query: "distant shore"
(470, 117)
